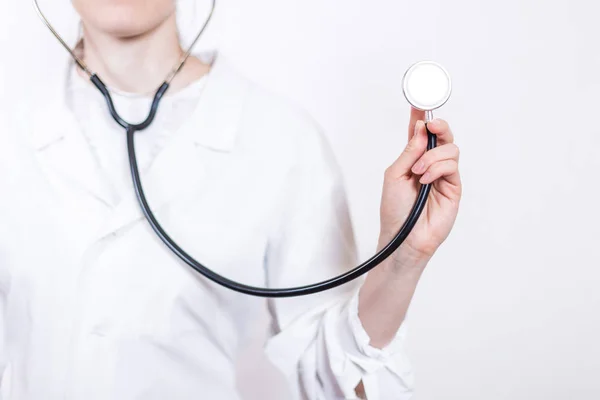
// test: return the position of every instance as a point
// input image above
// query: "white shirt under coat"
(95, 307)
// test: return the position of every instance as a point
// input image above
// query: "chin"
(124, 24)
(124, 18)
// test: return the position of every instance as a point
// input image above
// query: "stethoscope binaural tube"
(131, 130)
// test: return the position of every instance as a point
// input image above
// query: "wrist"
(405, 257)
(405, 260)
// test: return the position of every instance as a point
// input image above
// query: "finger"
(415, 115)
(441, 129)
(448, 169)
(415, 148)
(447, 151)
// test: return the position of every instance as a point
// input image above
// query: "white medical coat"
(93, 306)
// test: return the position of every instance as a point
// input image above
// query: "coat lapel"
(208, 137)
(62, 150)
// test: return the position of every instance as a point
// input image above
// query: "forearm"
(386, 295)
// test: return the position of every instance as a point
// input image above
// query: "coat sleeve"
(318, 341)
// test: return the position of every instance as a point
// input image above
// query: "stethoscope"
(426, 86)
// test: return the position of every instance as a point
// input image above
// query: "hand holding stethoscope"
(417, 166)
(427, 86)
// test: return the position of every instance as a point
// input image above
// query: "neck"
(139, 64)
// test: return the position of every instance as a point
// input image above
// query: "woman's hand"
(414, 167)
(384, 297)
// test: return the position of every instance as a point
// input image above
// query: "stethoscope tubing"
(132, 129)
(332, 283)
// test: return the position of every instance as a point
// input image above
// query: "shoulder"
(273, 123)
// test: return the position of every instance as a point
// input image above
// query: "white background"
(510, 307)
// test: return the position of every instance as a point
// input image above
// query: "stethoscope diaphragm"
(427, 85)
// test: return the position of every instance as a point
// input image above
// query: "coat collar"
(213, 124)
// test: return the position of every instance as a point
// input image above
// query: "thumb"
(415, 115)
(414, 149)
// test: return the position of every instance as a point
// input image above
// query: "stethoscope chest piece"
(427, 85)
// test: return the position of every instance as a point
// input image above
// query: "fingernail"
(425, 178)
(417, 127)
(418, 167)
